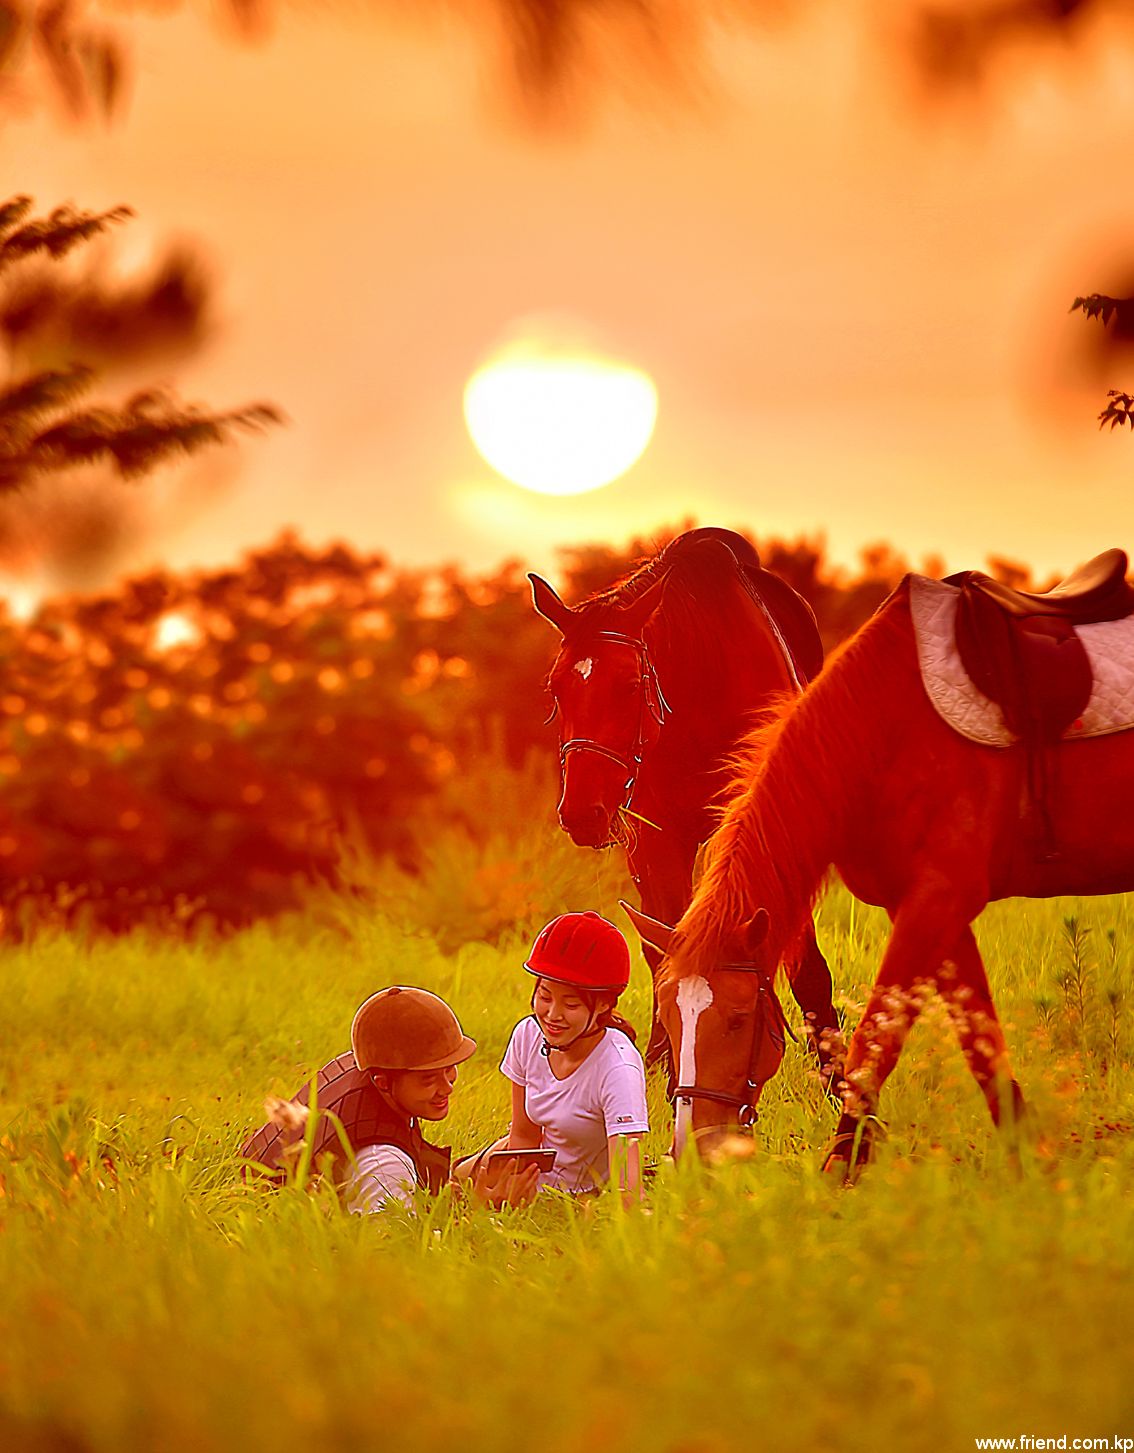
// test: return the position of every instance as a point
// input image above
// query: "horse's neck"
(682, 772)
(714, 692)
(814, 776)
(714, 704)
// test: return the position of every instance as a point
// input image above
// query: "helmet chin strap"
(587, 1032)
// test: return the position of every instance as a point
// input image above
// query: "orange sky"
(848, 310)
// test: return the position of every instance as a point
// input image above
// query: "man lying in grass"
(406, 1045)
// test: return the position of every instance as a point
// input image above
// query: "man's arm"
(383, 1174)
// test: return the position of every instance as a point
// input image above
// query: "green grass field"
(151, 1301)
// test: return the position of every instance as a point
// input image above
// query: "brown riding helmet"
(407, 1029)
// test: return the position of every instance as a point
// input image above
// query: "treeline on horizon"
(200, 748)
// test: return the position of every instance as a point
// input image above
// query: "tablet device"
(544, 1159)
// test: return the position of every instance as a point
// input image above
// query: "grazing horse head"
(611, 706)
(725, 1026)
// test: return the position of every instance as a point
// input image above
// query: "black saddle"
(1021, 649)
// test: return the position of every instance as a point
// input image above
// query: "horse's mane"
(671, 557)
(794, 792)
(692, 625)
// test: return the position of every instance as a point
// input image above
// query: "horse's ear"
(650, 930)
(756, 930)
(634, 618)
(548, 604)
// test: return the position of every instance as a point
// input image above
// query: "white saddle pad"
(1110, 647)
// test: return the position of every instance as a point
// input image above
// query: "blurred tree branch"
(42, 431)
(1119, 410)
(56, 234)
(134, 439)
(84, 62)
(550, 50)
(955, 48)
(1105, 309)
(48, 314)
(548, 46)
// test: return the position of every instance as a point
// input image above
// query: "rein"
(770, 1014)
(652, 705)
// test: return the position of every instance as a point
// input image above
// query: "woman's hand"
(499, 1182)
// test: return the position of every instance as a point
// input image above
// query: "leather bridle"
(768, 1022)
(652, 705)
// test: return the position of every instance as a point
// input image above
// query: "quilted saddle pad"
(1109, 645)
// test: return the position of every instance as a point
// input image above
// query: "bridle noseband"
(651, 705)
(769, 1012)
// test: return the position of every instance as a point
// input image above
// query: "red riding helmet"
(583, 950)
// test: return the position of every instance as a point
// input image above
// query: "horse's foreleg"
(810, 981)
(874, 1050)
(926, 927)
(963, 985)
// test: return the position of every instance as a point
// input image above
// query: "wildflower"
(286, 1113)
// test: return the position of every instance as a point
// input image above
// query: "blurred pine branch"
(41, 432)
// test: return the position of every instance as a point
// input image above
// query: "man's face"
(424, 1094)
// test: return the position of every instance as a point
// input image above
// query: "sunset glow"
(560, 424)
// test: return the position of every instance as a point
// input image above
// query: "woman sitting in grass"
(578, 1082)
(401, 1069)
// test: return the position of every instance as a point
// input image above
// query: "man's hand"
(503, 1182)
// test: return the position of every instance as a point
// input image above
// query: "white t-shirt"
(382, 1174)
(605, 1096)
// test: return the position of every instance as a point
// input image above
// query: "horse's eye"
(735, 1022)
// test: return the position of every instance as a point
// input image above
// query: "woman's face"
(424, 1094)
(562, 1012)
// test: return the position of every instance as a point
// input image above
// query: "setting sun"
(559, 421)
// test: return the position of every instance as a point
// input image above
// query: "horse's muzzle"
(588, 827)
(712, 1143)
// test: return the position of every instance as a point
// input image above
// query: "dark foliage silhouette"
(201, 747)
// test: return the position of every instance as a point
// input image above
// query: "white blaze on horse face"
(693, 997)
(584, 667)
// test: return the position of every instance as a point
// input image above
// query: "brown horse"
(861, 772)
(657, 682)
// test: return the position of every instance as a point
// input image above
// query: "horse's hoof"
(839, 1171)
(851, 1147)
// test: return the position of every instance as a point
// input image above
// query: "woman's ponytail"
(613, 1020)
